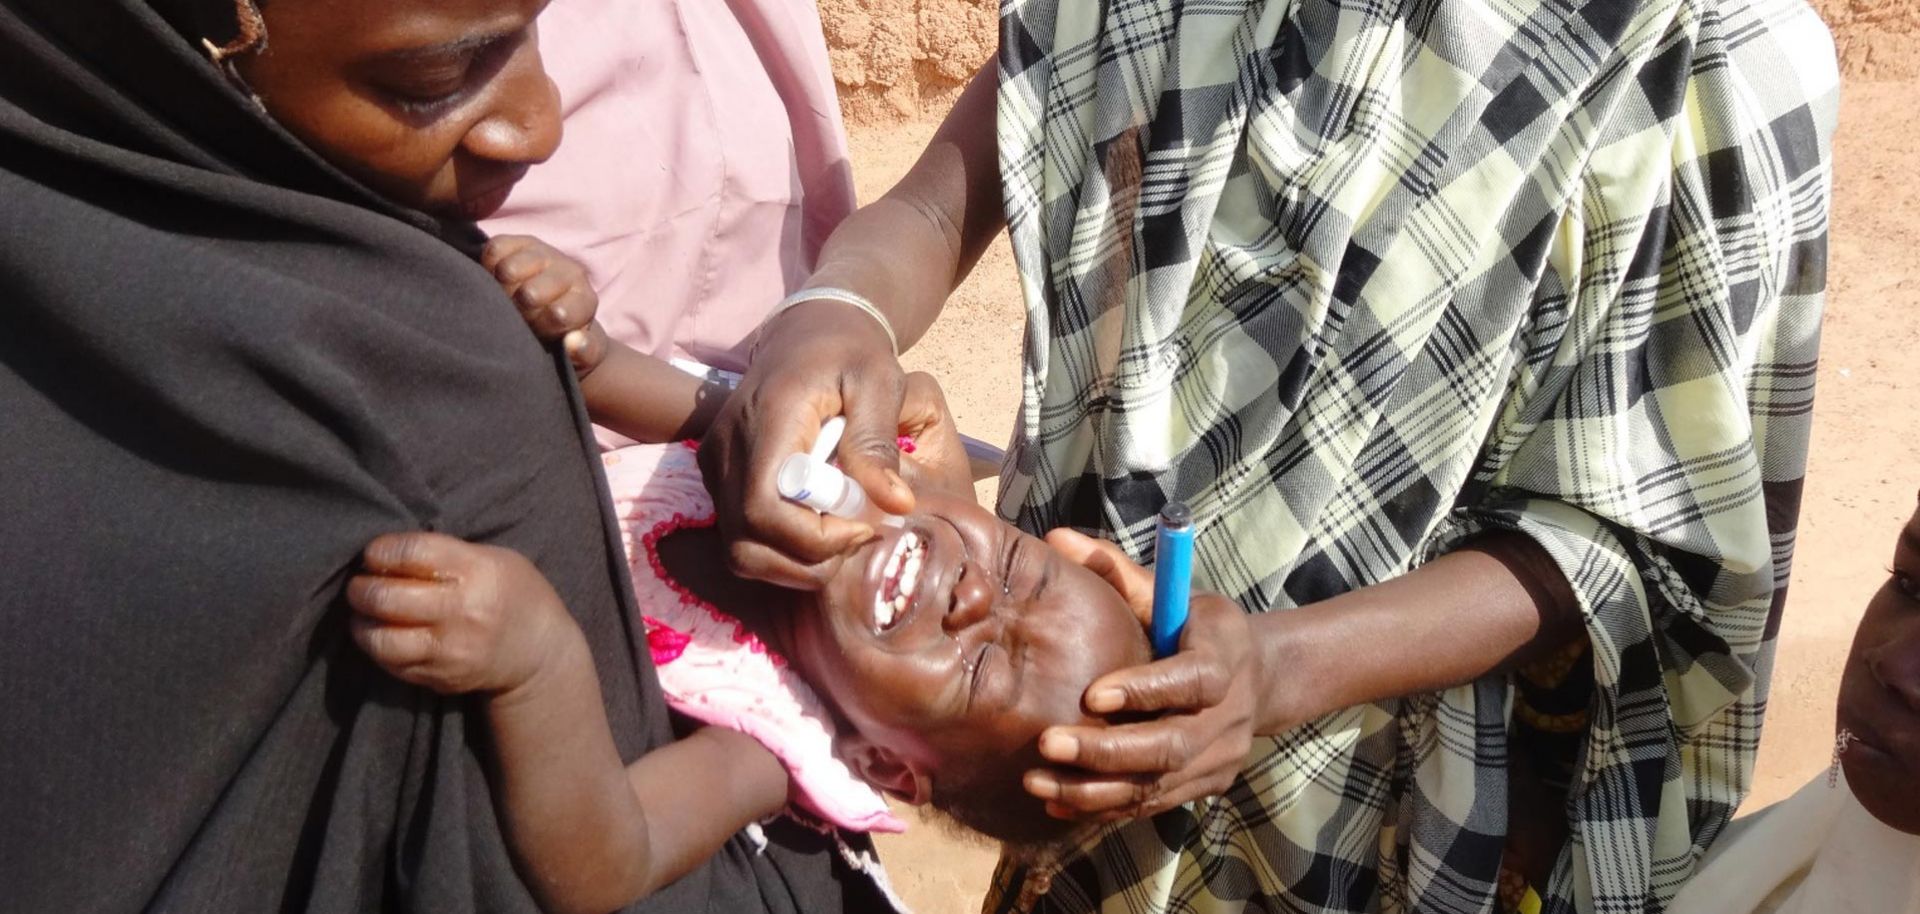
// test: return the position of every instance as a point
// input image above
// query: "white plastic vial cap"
(820, 486)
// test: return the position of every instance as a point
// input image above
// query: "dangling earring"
(251, 34)
(1840, 744)
(251, 38)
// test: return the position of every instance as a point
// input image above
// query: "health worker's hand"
(1203, 700)
(937, 461)
(814, 361)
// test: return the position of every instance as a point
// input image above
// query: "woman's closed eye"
(429, 82)
(429, 85)
(427, 98)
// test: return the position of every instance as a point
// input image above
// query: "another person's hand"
(1205, 699)
(938, 461)
(456, 617)
(553, 295)
(812, 362)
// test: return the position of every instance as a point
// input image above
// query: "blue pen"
(1172, 577)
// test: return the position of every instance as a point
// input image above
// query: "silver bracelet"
(843, 296)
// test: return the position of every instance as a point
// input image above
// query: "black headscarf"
(224, 367)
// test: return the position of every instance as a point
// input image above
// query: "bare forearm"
(592, 835)
(647, 399)
(908, 250)
(587, 832)
(571, 820)
(701, 790)
(1493, 605)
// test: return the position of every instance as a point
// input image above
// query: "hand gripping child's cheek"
(948, 646)
(1880, 694)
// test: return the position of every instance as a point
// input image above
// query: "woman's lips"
(1868, 736)
(486, 204)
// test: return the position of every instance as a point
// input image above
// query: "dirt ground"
(1865, 459)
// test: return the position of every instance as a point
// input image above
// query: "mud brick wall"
(898, 60)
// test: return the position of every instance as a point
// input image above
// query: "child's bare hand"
(553, 295)
(456, 617)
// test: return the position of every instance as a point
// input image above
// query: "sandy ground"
(1865, 453)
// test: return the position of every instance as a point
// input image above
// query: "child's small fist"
(455, 617)
(553, 295)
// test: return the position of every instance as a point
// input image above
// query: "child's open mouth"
(898, 578)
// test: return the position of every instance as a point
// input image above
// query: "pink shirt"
(703, 166)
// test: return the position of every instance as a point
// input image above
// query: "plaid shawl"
(1359, 279)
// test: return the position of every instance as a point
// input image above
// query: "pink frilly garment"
(711, 668)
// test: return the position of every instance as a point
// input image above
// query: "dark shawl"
(224, 368)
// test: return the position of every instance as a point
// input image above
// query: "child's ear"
(880, 766)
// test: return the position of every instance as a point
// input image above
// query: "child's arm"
(647, 399)
(587, 833)
(628, 391)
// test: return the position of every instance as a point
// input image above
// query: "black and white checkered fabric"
(1356, 279)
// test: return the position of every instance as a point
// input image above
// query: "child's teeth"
(910, 575)
(893, 563)
(898, 577)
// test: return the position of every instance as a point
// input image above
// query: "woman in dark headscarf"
(228, 359)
